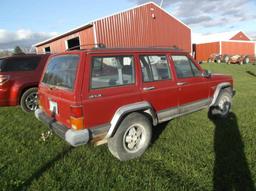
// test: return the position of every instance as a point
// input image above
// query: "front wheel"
(28, 101)
(222, 106)
(132, 137)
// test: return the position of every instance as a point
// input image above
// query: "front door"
(193, 89)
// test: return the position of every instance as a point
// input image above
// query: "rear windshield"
(19, 64)
(61, 71)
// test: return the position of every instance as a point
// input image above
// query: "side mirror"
(206, 74)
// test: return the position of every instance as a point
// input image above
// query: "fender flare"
(218, 90)
(126, 109)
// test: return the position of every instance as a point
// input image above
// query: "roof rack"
(99, 45)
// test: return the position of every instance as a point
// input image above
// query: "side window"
(20, 64)
(184, 67)
(110, 71)
(155, 68)
(195, 70)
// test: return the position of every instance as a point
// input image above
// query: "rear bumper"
(74, 138)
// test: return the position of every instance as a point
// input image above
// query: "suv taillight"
(76, 117)
(3, 79)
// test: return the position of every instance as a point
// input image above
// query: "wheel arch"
(142, 107)
(24, 89)
(220, 87)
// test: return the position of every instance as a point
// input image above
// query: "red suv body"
(116, 96)
(19, 79)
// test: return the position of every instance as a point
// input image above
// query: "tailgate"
(60, 87)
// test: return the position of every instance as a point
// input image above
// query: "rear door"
(158, 85)
(193, 89)
(110, 82)
(61, 85)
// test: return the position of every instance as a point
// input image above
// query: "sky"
(27, 22)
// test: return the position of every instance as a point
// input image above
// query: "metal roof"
(90, 24)
(198, 38)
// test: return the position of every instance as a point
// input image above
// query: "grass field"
(188, 153)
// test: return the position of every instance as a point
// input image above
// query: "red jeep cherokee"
(19, 79)
(117, 96)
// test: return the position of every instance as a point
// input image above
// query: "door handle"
(182, 83)
(149, 88)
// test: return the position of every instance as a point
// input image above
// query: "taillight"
(3, 79)
(76, 117)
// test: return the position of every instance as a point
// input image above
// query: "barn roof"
(198, 38)
(90, 24)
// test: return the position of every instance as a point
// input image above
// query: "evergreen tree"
(18, 50)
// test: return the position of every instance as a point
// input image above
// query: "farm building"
(229, 43)
(146, 25)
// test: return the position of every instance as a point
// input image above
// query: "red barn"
(146, 25)
(230, 43)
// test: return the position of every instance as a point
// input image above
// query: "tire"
(28, 101)
(246, 60)
(222, 106)
(226, 59)
(126, 144)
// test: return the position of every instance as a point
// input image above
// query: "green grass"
(188, 153)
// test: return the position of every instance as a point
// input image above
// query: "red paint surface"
(145, 26)
(240, 48)
(10, 92)
(99, 111)
(204, 51)
(240, 36)
(57, 46)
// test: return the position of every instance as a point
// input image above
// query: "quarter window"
(112, 71)
(185, 68)
(155, 68)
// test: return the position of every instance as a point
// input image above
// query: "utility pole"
(161, 4)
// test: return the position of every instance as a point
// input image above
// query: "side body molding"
(217, 91)
(139, 106)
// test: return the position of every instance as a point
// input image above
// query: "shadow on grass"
(157, 131)
(251, 73)
(36, 175)
(231, 171)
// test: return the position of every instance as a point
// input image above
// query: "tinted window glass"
(184, 67)
(1, 63)
(154, 68)
(19, 64)
(61, 71)
(112, 71)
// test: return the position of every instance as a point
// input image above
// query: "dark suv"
(117, 96)
(19, 78)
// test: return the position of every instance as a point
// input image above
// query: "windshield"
(61, 71)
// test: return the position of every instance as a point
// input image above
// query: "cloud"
(209, 13)
(22, 38)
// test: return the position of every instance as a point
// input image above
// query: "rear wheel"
(132, 137)
(28, 101)
(222, 106)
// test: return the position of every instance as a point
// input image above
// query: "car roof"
(124, 50)
(23, 56)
